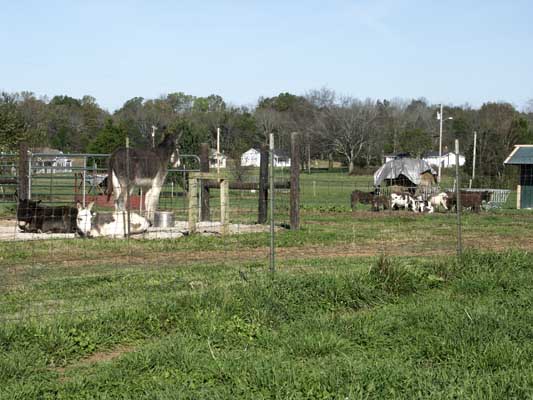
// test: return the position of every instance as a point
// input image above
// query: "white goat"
(113, 224)
(403, 201)
(439, 200)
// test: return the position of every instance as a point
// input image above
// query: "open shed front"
(406, 172)
(522, 156)
(526, 186)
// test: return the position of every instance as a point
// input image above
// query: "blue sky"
(454, 52)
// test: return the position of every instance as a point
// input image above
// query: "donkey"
(148, 169)
(91, 224)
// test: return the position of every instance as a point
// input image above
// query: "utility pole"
(440, 117)
(440, 143)
(218, 151)
(154, 128)
(474, 157)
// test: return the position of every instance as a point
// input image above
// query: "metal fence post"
(30, 161)
(272, 230)
(84, 176)
(126, 234)
(458, 203)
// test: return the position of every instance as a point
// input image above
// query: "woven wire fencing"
(50, 267)
(49, 273)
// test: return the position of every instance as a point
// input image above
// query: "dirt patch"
(102, 356)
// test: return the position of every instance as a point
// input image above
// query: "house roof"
(522, 154)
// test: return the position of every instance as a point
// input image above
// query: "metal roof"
(522, 154)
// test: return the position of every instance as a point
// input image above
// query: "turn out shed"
(522, 155)
(406, 172)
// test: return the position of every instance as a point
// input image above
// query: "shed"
(522, 156)
(408, 172)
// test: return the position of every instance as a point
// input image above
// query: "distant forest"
(353, 131)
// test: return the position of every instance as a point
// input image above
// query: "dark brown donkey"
(148, 169)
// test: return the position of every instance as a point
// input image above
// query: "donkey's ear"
(90, 206)
(79, 206)
(16, 196)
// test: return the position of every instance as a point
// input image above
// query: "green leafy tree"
(414, 141)
(108, 138)
(12, 126)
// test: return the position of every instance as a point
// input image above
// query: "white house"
(49, 161)
(252, 158)
(448, 159)
(213, 159)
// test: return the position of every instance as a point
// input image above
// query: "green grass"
(363, 305)
(343, 328)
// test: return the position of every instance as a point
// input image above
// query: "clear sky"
(456, 52)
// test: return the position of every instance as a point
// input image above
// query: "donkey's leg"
(118, 192)
(151, 200)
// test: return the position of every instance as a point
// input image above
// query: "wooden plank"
(208, 175)
(214, 184)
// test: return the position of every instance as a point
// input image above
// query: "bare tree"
(347, 127)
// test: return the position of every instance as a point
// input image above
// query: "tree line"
(356, 132)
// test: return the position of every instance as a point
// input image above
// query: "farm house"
(408, 172)
(222, 158)
(252, 157)
(522, 156)
(447, 159)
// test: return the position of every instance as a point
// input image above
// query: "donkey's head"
(168, 148)
(84, 219)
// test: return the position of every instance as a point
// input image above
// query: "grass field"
(362, 305)
(319, 329)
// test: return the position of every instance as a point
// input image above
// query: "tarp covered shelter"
(407, 168)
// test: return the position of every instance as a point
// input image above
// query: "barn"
(522, 156)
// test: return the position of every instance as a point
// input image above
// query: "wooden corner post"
(224, 206)
(263, 186)
(193, 204)
(23, 172)
(295, 181)
(204, 190)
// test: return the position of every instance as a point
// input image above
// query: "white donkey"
(113, 224)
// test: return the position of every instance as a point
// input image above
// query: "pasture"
(362, 305)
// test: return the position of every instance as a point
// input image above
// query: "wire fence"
(57, 260)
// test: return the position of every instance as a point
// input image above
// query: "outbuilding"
(522, 156)
(407, 172)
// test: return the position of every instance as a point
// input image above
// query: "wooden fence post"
(204, 195)
(23, 172)
(295, 181)
(263, 186)
(224, 206)
(193, 204)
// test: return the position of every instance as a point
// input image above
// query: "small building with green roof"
(522, 155)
